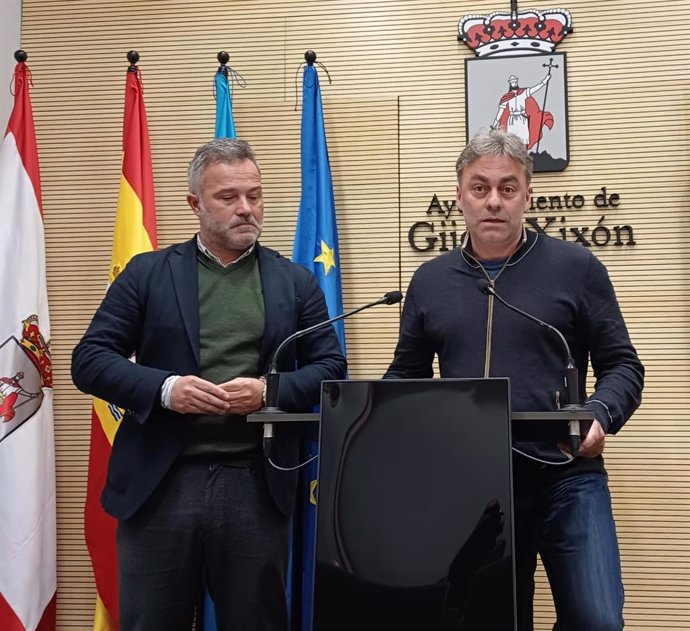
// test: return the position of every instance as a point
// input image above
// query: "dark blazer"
(151, 310)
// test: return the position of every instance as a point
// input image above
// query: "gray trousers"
(214, 520)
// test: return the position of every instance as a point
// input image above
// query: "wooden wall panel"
(395, 118)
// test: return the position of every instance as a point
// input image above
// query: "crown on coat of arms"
(37, 350)
(515, 32)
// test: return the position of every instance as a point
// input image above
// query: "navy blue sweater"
(564, 284)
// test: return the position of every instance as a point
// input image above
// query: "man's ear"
(193, 201)
(458, 195)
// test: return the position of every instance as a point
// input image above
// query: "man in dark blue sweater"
(562, 505)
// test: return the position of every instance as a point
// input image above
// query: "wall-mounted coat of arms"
(517, 82)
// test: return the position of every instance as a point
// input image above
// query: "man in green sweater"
(187, 481)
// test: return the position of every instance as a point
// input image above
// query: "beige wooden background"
(395, 122)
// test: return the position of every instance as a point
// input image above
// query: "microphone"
(570, 375)
(273, 376)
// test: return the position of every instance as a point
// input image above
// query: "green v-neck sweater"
(231, 317)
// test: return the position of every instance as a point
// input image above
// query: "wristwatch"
(262, 379)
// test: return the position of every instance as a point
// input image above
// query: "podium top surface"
(552, 416)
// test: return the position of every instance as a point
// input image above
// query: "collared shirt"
(204, 250)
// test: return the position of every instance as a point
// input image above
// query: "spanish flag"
(135, 232)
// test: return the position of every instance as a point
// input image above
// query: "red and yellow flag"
(135, 232)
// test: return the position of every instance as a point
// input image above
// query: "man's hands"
(193, 395)
(593, 444)
(245, 395)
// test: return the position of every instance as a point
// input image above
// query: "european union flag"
(316, 247)
(225, 125)
(316, 236)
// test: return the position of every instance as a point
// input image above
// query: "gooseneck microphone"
(570, 376)
(273, 376)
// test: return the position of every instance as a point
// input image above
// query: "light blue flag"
(225, 125)
(316, 248)
(225, 128)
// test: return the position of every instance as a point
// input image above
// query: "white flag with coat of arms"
(27, 453)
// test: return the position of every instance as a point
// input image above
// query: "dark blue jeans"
(205, 518)
(569, 523)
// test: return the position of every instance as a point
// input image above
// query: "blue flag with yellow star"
(316, 236)
(316, 247)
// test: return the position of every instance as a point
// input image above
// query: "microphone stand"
(570, 374)
(273, 376)
(572, 403)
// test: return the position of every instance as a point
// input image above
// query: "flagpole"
(28, 573)
(316, 248)
(134, 232)
(222, 91)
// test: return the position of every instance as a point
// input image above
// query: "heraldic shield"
(21, 394)
(525, 95)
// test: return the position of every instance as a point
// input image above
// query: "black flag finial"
(132, 58)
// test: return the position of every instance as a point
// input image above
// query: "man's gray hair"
(219, 150)
(495, 142)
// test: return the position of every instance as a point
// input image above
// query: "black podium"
(414, 510)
